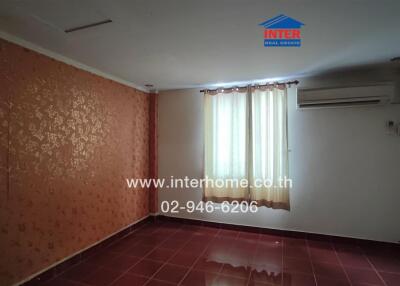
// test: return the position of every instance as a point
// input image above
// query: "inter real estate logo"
(282, 31)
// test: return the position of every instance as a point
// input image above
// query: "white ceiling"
(188, 43)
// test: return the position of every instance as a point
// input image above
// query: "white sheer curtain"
(226, 137)
(246, 138)
(269, 167)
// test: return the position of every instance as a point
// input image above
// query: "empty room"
(199, 143)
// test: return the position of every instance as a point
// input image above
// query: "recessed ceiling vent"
(87, 26)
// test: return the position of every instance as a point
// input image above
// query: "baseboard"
(286, 233)
(60, 266)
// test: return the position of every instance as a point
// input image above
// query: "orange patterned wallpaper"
(69, 139)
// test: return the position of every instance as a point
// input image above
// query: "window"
(246, 146)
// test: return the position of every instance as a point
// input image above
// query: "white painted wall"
(345, 168)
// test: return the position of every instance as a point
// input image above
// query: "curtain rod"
(295, 82)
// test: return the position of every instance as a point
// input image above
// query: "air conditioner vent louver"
(344, 96)
(91, 25)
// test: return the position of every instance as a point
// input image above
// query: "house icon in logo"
(282, 31)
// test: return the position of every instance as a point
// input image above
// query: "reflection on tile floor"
(169, 253)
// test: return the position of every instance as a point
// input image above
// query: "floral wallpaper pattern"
(68, 140)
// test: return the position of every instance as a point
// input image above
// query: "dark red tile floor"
(179, 254)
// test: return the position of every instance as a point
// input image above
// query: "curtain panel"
(246, 141)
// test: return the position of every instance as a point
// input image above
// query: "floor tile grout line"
(206, 239)
(376, 271)
(197, 259)
(283, 257)
(190, 268)
(311, 261)
(250, 272)
(257, 246)
(283, 269)
(159, 280)
(222, 266)
(141, 259)
(365, 256)
(166, 262)
(133, 265)
(220, 269)
(258, 242)
(163, 263)
(74, 282)
(342, 265)
(85, 260)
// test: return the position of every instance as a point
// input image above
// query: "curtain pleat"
(226, 117)
(268, 183)
(246, 138)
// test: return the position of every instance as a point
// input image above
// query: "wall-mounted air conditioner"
(346, 96)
